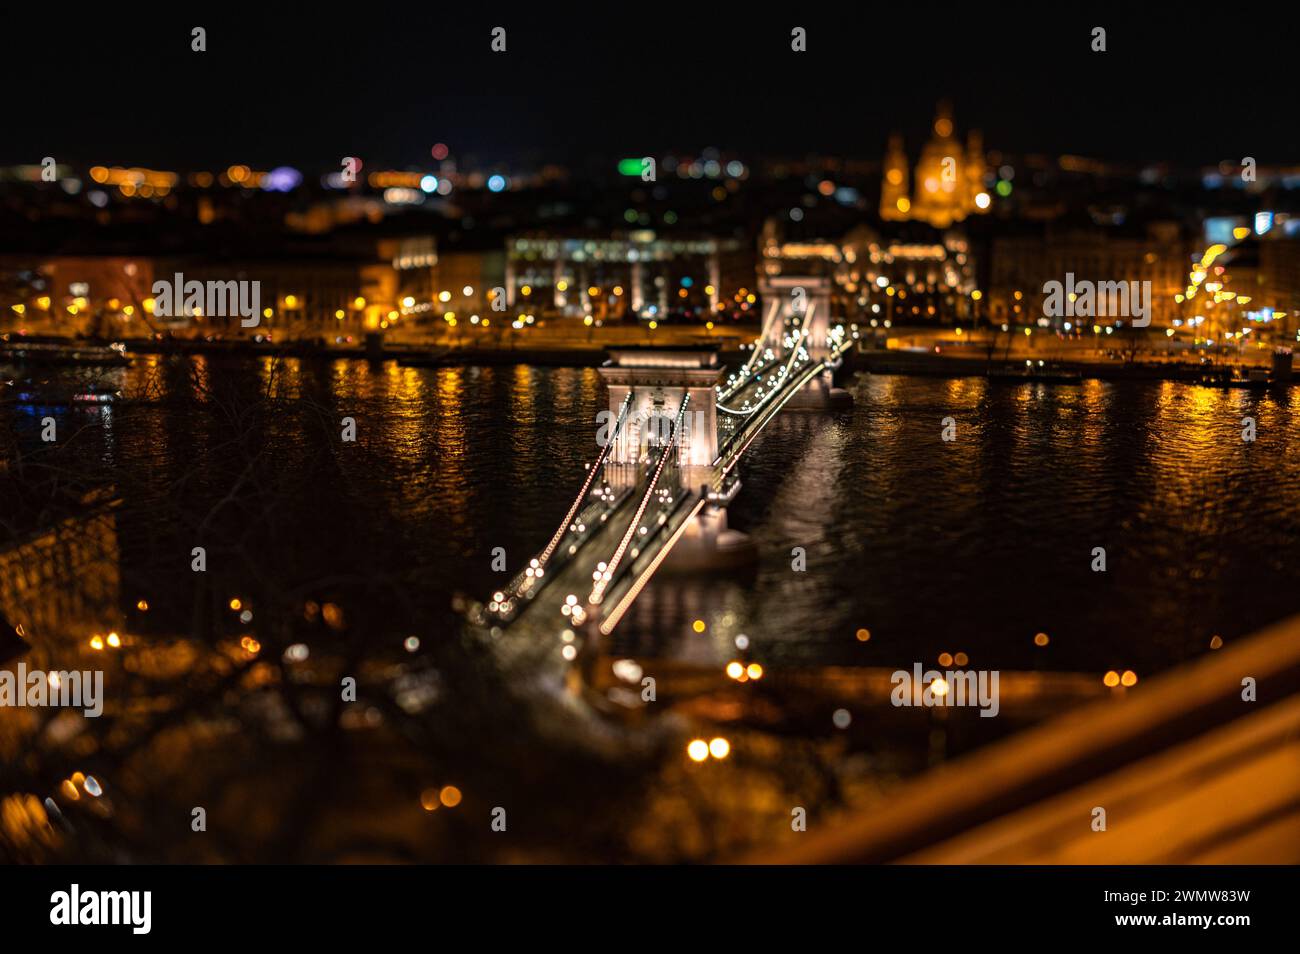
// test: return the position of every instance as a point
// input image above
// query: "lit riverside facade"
(1020, 266)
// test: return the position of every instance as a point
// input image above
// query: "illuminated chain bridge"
(667, 465)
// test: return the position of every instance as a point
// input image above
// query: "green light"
(629, 167)
(1004, 188)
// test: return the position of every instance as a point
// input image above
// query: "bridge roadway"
(614, 532)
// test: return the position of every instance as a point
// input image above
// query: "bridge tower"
(786, 300)
(659, 378)
(793, 301)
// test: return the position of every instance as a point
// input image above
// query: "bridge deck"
(770, 380)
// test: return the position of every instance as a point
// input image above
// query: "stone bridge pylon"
(802, 303)
(659, 379)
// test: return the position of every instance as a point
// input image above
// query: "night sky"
(647, 79)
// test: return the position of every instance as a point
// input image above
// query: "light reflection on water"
(972, 546)
(978, 544)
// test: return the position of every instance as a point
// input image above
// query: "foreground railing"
(1198, 765)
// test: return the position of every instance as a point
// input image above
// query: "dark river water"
(356, 551)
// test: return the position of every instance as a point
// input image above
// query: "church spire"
(948, 181)
(894, 202)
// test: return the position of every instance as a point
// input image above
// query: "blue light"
(1218, 229)
(496, 183)
(429, 184)
(687, 282)
(282, 179)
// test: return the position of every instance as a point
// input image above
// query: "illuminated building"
(933, 271)
(1021, 265)
(112, 295)
(638, 271)
(948, 184)
(1266, 271)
